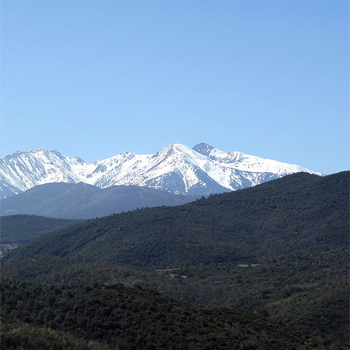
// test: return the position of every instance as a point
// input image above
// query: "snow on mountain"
(176, 168)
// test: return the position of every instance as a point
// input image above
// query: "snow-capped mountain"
(176, 168)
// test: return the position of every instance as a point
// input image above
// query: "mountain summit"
(200, 170)
(203, 148)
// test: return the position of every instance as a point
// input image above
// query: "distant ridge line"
(201, 170)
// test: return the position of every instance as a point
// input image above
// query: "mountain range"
(201, 170)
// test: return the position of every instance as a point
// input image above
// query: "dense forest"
(19, 229)
(278, 250)
(24, 228)
(117, 317)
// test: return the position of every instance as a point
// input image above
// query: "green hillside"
(24, 228)
(299, 213)
(16, 334)
(116, 317)
(279, 250)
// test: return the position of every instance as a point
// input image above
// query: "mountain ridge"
(84, 201)
(254, 217)
(201, 170)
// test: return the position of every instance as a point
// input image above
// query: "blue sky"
(96, 78)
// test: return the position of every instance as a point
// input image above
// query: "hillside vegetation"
(279, 250)
(116, 317)
(298, 213)
(24, 228)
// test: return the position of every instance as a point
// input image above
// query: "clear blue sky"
(96, 78)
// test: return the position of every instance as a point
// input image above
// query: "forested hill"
(120, 318)
(23, 228)
(300, 212)
(279, 249)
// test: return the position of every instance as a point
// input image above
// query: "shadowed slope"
(83, 201)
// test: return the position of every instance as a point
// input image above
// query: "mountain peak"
(203, 148)
(176, 168)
